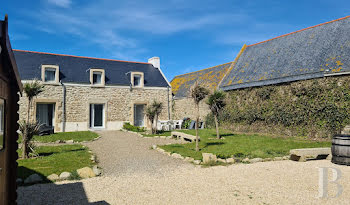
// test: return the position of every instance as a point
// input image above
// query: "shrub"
(317, 107)
(128, 126)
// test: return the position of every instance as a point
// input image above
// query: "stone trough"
(302, 155)
(184, 136)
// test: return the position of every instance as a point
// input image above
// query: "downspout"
(63, 107)
(168, 103)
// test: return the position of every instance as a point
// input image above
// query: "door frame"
(57, 103)
(133, 111)
(92, 116)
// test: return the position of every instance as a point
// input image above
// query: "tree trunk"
(28, 109)
(24, 145)
(217, 127)
(156, 124)
(197, 122)
(152, 130)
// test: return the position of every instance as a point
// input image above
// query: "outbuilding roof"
(208, 78)
(309, 53)
(75, 69)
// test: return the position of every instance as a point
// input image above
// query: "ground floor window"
(139, 116)
(45, 113)
(97, 115)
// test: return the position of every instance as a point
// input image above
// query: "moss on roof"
(305, 54)
(208, 78)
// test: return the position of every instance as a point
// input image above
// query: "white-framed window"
(137, 79)
(97, 77)
(50, 73)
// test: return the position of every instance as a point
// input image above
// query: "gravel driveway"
(148, 177)
(123, 153)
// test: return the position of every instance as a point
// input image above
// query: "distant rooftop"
(304, 54)
(208, 78)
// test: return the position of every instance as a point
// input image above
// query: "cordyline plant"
(198, 93)
(216, 102)
(29, 128)
(152, 112)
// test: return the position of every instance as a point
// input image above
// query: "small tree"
(27, 128)
(198, 93)
(152, 112)
(216, 102)
(157, 107)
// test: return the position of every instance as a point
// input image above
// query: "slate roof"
(75, 69)
(309, 53)
(208, 78)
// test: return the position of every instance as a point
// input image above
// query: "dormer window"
(137, 79)
(97, 77)
(50, 73)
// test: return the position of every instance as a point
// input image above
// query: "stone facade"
(185, 107)
(118, 100)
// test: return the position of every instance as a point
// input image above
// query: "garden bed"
(240, 146)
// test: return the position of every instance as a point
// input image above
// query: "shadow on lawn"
(71, 193)
(44, 154)
(208, 144)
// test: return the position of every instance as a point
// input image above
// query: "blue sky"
(187, 35)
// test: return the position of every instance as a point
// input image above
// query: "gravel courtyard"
(135, 174)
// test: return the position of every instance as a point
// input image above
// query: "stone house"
(317, 52)
(83, 93)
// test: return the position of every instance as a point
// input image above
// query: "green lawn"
(240, 145)
(76, 136)
(161, 133)
(1, 141)
(55, 159)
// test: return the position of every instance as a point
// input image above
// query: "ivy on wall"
(314, 108)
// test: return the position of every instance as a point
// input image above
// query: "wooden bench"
(184, 136)
(302, 155)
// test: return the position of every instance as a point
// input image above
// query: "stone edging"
(224, 161)
(67, 141)
(140, 135)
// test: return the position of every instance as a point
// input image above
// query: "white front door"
(139, 115)
(97, 116)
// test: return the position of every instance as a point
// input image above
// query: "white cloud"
(61, 3)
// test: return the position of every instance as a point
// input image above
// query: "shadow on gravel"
(51, 193)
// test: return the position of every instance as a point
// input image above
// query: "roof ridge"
(299, 31)
(201, 70)
(79, 56)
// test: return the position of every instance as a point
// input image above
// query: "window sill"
(97, 85)
(51, 83)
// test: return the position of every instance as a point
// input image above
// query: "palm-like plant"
(31, 90)
(29, 129)
(198, 93)
(149, 112)
(157, 107)
(152, 112)
(216, 102)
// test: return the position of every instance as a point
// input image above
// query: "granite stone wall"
(119, 104)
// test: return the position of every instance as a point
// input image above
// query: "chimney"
(155, 61)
